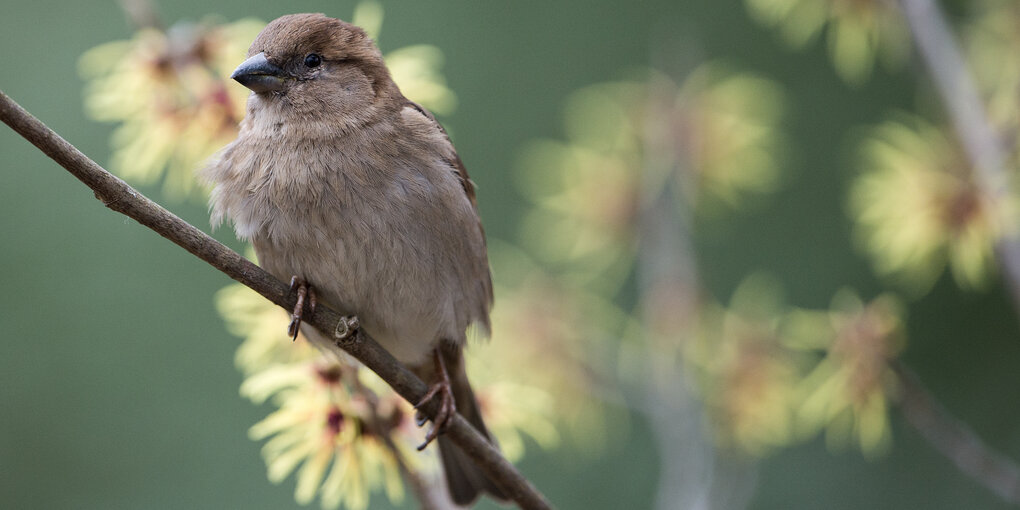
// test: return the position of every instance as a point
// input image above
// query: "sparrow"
(356, 195)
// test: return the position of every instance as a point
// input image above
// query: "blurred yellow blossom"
(171, 93)
(725, 125)
(250, 316)
(718, 131)
(917, 209)
(416, 70)
(771, 376)
(561, 333)
(670, 309)
(858, 31)
(585, 188)
(849, 390)
(747, 377)
(989, 34)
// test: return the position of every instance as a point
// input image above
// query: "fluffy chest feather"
(381, 227)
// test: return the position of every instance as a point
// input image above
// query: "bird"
(357, 196)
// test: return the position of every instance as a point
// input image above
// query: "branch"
(117, 195)
(956, 440)
(689, 467)
(432, 496)
(980, 140)
(983, 148)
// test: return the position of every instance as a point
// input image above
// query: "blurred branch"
(956, 440)
(690, 471)
(117, 195)
(981, 142)
(984, 149)
(432, 496)
(665, 261)
(141, 14)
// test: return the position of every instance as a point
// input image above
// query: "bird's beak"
(259, 75)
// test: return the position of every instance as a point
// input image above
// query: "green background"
(117, 384)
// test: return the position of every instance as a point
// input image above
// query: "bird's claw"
(447, 408)
(447, 404)
(304, 291)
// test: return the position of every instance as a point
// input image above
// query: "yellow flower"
(747, 377)
(859, 31)
(416, 70)
(917, 209)
(848, 392)
(340, 427)
(550, 327)
(586, 188)
(716, 135)
(260, 322)
(170, 93)
(725, 127)
(323, 420)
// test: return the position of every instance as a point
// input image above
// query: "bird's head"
(316, 66)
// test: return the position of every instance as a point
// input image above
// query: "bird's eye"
(313, 60)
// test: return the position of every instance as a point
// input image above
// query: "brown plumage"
(338, 179)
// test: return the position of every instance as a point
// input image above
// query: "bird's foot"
(447, 405)
(304, 291)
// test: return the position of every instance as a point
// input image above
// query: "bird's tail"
(465, 481)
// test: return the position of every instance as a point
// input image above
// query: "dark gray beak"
(259, 75)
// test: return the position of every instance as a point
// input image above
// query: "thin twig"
(432, 496)
(980, 140)
(956, 440)
(120, 197)
(141, 14)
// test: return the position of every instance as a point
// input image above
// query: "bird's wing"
(454, 161)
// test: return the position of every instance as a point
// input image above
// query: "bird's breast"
(379, 234)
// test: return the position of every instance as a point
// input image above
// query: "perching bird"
(356, 194)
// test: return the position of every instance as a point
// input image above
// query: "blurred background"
(741, 261)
